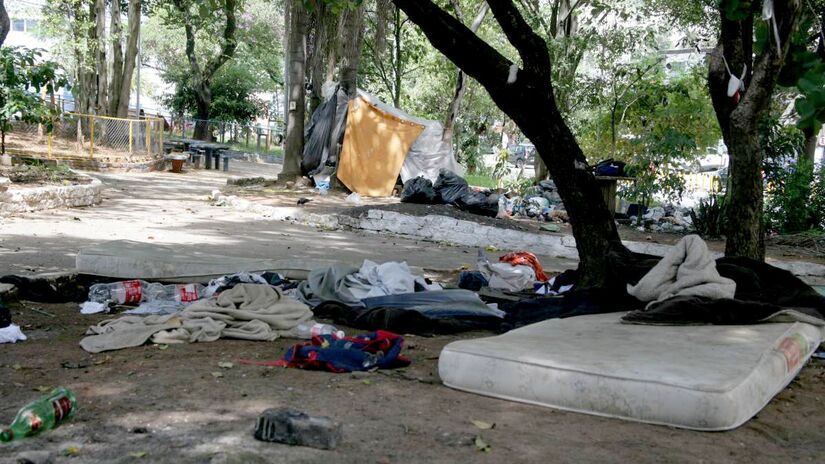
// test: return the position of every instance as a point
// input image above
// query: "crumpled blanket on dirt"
(764, 293)
(247, 311)
(688, 269)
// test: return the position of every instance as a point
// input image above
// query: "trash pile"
(541, 202)
(669, 219)
(9, 333)
(451, 189)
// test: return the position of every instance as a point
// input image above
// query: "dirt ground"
(174, 403)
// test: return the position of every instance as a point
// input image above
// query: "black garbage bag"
(481, 203)
(5, 316)
(419, 190)
(450, 187)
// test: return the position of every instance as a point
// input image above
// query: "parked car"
(522, 154)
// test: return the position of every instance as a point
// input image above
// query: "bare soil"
(175, 404)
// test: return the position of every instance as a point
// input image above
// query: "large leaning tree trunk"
(202, 75)
(461, 78)
(296, 92)
(739, 118)
(528, 99)
(5, 24)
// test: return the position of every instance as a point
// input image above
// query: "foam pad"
(695, 377)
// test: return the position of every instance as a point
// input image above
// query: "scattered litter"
(70, 451)
(294, 427)
(483, 425)
(52, 410)
(481, 445)
(354, 198)
(11, 334)
(551, 227)
(75, 365)
(138, 454)
(93, 307)
(819, 355)
(217, 375)
(226, 365)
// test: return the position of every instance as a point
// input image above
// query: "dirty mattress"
(696, 377)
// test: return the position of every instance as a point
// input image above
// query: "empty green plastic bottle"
(46, 413)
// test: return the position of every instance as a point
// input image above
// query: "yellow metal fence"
(83, 135)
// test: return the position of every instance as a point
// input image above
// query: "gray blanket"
(688, 269)
(247, 311)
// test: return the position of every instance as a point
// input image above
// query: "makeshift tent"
(377, 144)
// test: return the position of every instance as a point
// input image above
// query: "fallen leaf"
(16, 366)
(137, 454)
(163, 347)
(367, 382)
(481, 445)
(71, 451)
(226, 365)
(42, 388)
(104, 360)
(483, 425)
(217, 375)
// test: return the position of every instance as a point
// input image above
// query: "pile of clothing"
(685, 287)
(389, 297)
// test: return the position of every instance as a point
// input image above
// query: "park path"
(173, 209)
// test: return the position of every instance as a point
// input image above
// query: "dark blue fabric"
(472, 280)
(436, 304)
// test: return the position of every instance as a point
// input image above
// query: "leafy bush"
(796, 199)
(709, 219)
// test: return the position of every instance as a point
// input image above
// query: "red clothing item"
(525, 258)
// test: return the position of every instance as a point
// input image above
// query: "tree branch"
(531, 47)
(229, 43)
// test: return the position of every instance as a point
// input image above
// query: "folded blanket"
(247, 311)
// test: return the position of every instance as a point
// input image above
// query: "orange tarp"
(375, 146)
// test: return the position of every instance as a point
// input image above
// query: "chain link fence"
(91, 136)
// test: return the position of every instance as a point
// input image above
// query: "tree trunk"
(201, 77)
(747, 237)
(461, 78)
(116, 81)
(129, 59)
(203, 99)
(738, 117)
(294, 143)
(102, 82)
(320, 44)
(352, 37)
(811, 138)
(530, 102)
(5, 24)
(398, 61)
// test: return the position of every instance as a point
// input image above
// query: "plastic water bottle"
(180, 293)
(310, 329)
(44, 414)
(136, 291)
(126, 292)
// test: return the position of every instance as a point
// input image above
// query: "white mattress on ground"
(695, 377)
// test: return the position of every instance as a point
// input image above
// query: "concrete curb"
(51, 197)
(436, 228)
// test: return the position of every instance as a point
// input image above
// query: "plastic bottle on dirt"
(180, 293)
(44, 414)
(310, 329)
(125, 292)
